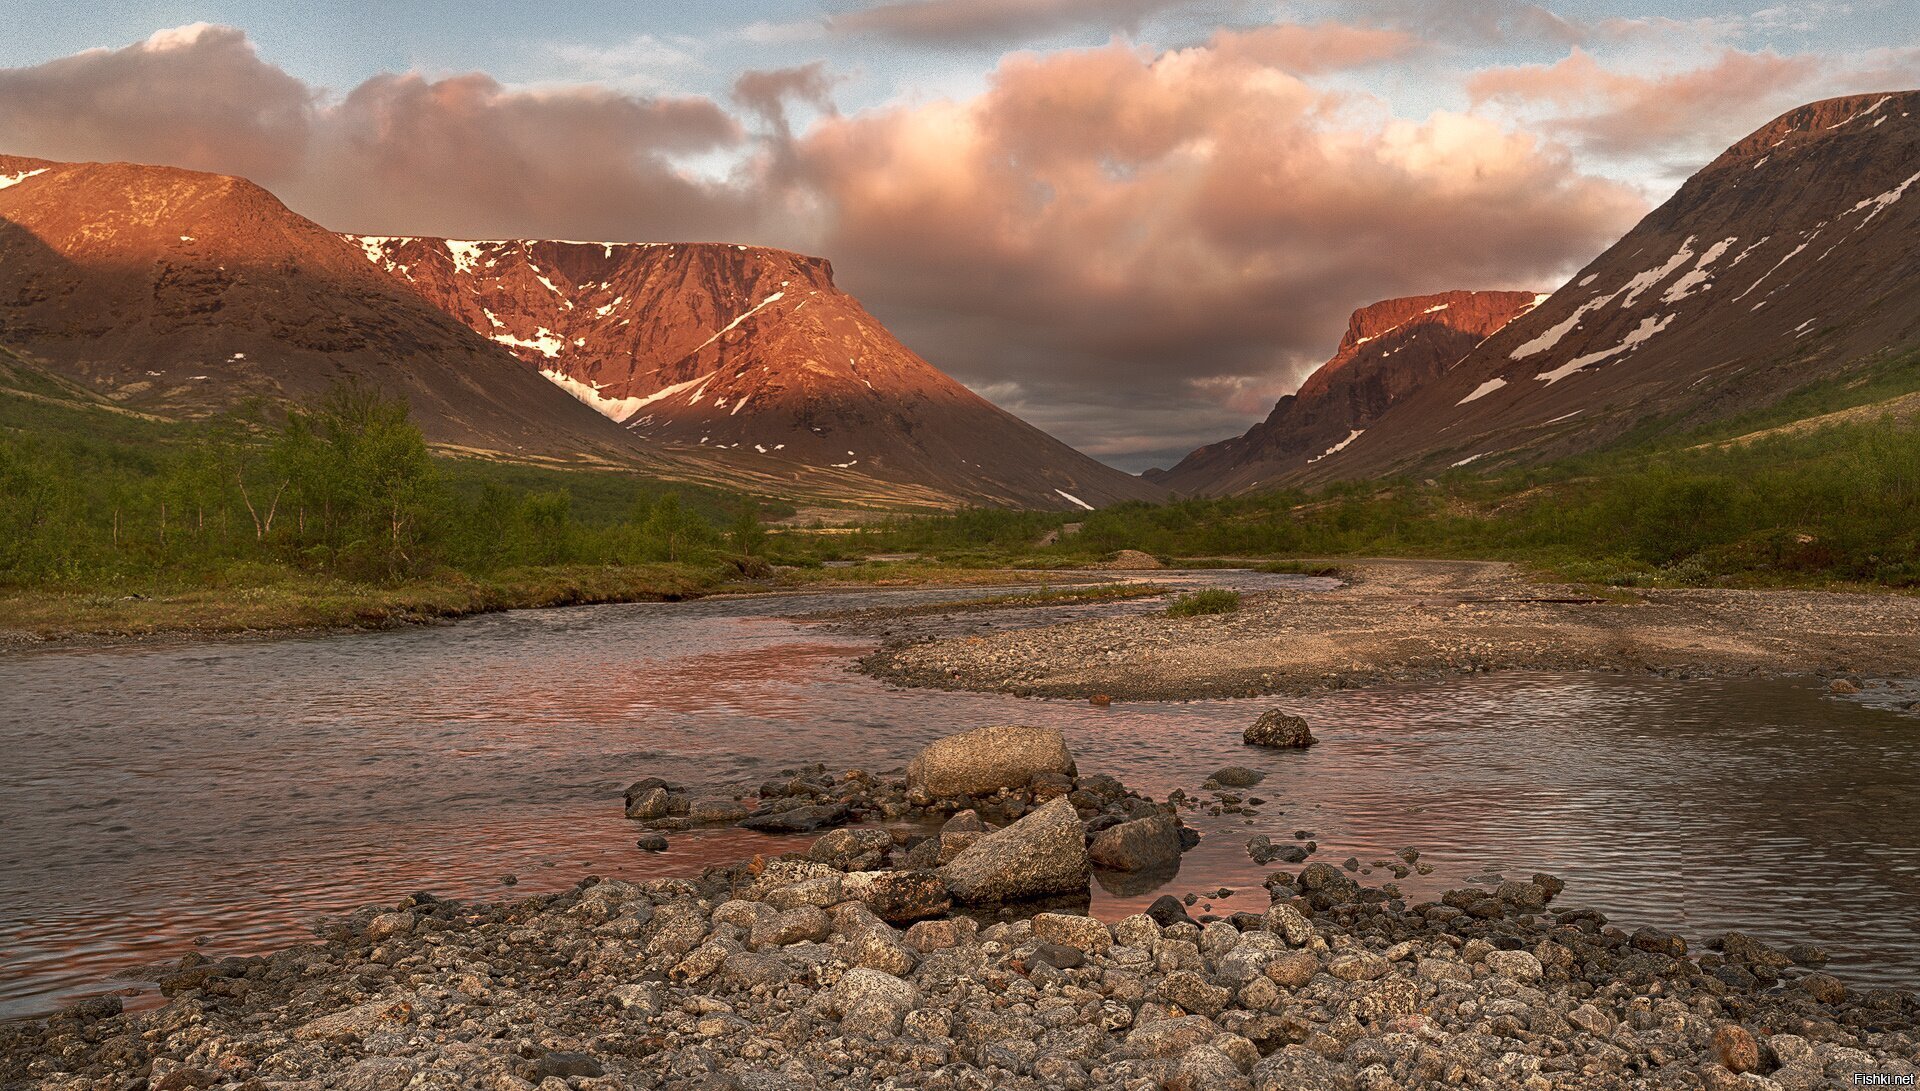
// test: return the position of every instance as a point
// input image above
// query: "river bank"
(284, 601)
(807, 971)
(1402, 620)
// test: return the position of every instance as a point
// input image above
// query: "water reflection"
(159, 795)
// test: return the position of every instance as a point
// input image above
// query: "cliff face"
(1788, 260)
(1391, 349)
(178, 291)
(744, 350)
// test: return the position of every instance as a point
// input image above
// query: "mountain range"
(1785, 262)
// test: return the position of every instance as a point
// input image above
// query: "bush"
(1214, 600)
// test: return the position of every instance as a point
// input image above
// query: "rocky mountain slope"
(1788, 260)
(174, 291)
(1391, 349)
(748, 356)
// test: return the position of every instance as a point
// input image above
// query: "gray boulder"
(1144, 844)
(1280, 730)
(987, 759)
(1043, 853)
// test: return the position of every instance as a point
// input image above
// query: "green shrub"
(1213, 600)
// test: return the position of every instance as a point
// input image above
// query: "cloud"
(952, 23)
(1179, 224)
(1467, 21)
(399, 153)
(1694, 111)
(765, 92)
(1311, 49)
(195, 96)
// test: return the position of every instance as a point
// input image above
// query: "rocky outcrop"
(1043, 853)
(987, 759)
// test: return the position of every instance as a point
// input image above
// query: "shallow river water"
(161, 798)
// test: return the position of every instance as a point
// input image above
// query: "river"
(220, 796)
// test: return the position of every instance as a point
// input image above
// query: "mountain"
(178, 292)
(746, 356)
(1789, 260)
(1391, 349)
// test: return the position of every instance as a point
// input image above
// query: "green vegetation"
(1835, 504)
(337, 514)
(1213, 600)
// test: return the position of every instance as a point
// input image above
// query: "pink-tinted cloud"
(1697, 110)
(399, 153)
(994, 22)
(195, 96)
(765, 92)
(1116, 216)
(1310, 49)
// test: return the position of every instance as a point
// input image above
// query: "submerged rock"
(1280, 730)
(1144, 844)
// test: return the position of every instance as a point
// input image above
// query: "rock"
(1843, 685)
(715, 812)
(1659, 942)
(1289, 923)
(1043, 853)
(1073, 930)
(851, 849)
(1060, 956)
(798, 819)
(649, 802)
(561, 1066)
(1736, 1049)
(870, 1003)
(1293, 969)
(1280, 730)
(1144, 844)
(1824, 988)
(1168, 910)
(987, 759)
(388, 925)
(1191, 992)
(1170, 1037)
(651, 842)
(807, 924)
(1517, 965)
(899, 896)
(1237, 776)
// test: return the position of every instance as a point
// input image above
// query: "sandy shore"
(1399, 620)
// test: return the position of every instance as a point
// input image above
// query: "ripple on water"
(160, 795)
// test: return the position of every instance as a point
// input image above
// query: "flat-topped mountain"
(1789, 259)
(1391, 349)
(750, 351)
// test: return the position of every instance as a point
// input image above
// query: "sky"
(1133, 222)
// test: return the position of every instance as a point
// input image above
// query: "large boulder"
(1144, 844)
(1281, 730)
(1043, 853)
(985, 760)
